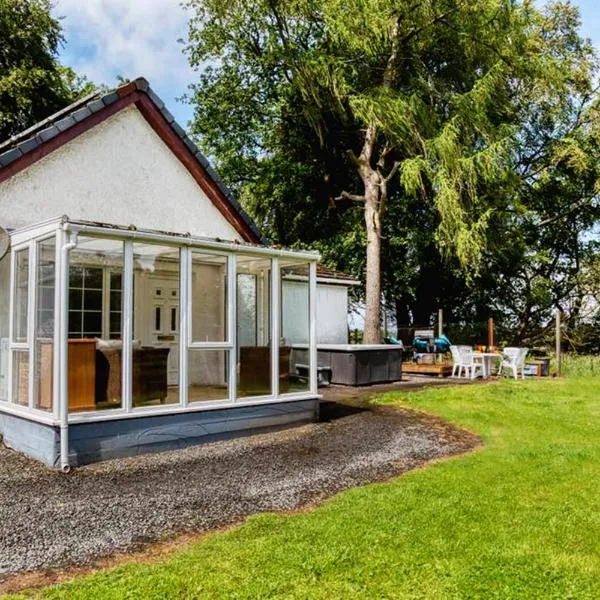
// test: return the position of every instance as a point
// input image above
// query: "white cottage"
(153, 315)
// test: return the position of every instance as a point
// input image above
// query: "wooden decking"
(443, 369)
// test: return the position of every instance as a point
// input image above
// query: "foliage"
(518, 518)
(33, 84)
(490, 118)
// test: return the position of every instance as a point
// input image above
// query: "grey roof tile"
(81, 114)
(65, 123)
(202, 159)
(48, 133)
(190, 145)
(141, 83)
(96, 105)
(28, 145)
(167, 115)
(178, 129)
(9, 156)
(110, 98)
(157, 101)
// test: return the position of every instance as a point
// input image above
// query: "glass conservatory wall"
(295, 323)
(208, 367)
(253, 326)
(95, 346)
(156, 329)
(20, 355)
(44, 324)
(4, 325)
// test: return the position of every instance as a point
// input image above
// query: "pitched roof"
(325, 273)
(23, 149)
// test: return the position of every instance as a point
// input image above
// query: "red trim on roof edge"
(129, 94)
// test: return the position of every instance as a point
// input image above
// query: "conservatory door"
(164, 322)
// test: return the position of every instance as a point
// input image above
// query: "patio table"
(486, 359)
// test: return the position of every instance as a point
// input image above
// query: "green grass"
(578, 365)
(519, 518)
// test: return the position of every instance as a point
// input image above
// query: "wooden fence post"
(558, 344)
(490, 333)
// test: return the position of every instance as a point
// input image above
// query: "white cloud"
(132, 38)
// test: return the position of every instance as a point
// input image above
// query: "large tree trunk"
(372, 334)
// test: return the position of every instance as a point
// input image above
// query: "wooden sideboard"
(82, 374)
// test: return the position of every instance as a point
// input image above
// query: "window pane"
(209, 297)
(4, 324)
(92, 278)
(295, 327)
(20, 390)
(207, 375)
(95, 366)
(253, 326)
(156, 356)
(21, 295)
(44, 328)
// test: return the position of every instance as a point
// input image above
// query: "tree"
(33, 84)
(416, 106)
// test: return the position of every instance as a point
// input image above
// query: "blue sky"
(106, 38)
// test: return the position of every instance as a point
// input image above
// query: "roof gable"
(40, 140)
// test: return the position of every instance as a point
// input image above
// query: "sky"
(132, 38)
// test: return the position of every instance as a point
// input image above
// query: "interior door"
(164, 320)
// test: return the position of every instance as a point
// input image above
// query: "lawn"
(518, 518)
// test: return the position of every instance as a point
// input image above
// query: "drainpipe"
(63, 396)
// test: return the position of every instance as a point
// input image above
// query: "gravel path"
(50, 520)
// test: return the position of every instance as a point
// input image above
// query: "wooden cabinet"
(82, 374)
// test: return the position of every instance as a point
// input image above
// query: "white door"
(164, 321)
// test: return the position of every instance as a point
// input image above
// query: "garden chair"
(463, 360)
(513, 360)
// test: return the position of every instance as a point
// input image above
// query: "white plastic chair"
(463, 360)
(513, 360)
(455, 360)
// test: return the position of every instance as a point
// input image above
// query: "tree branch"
(392, 172)
(348, 196)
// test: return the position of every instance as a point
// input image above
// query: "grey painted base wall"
(93, 442)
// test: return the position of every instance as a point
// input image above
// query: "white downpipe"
(63, 399)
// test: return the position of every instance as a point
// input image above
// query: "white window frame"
(63, 229)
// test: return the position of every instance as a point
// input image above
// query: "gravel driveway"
(52, 520)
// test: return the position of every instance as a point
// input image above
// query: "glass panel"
(207, 375)
(20, 390)
(44, 326)
(116, 304)
(209, 297)
(94, 366)
(155, 375)
(173, 319)
(4, 324)
(253, 326)
(21, 295)
(295, 327)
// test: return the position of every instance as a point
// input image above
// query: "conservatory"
(119, 340)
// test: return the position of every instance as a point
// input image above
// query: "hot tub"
(355, 364)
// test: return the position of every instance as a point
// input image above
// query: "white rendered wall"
(332, 313)
(118, 172)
